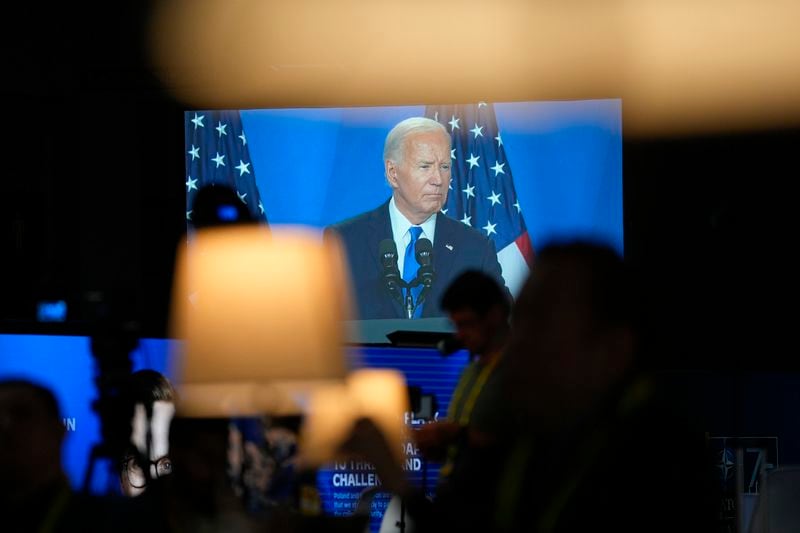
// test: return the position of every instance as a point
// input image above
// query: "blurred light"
(51, 311)
(679, 66)
(227, 213)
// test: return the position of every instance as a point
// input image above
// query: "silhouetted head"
(573, 334)
(478, 308)
(31, 434)
(199, 447)
(218, 205)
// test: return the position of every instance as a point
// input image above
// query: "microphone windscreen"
(423, 250)
(387, 251)
(448, 346)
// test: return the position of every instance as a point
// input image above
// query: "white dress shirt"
(400, 227)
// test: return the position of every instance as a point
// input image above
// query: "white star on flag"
(495, 198)
(489, 227)
(469, 191)
(477, 130)
(499, 140)
(221, 129)
(191, 184)
(243, 138)
(444, 211)
(454, 123)
(467, 220)
(498, 168)
(261, 207)
(516, 204)
(219, 160)
(189, 214)
(473, 160)
(243, 167)
(194, 152)
(198, 121)
(241, 197)
(452, 153)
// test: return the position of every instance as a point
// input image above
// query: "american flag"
(217, 152)
(482, 193)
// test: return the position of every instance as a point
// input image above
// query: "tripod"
(111, 350)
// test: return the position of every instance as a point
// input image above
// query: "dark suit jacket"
(457, 247)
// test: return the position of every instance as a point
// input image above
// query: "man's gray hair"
(393, 148)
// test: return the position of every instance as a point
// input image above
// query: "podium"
(401, 332)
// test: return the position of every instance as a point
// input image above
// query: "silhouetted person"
(199, 496)
(35, 494)
(598, 446)
(597, 443)
(33, 484)
(468, 440)
(472, 439)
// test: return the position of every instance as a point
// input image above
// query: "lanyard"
(55, 511)
(465, 412)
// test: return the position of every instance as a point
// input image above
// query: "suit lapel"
(380, 227)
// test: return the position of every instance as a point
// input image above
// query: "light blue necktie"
(410, 266)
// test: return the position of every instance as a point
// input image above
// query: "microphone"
(448, 346)
(387, 253)
(425, 274)
(424, 253)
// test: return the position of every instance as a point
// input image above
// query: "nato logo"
(726, 464)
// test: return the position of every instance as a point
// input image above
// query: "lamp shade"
(680, 67)
(261, 313)
(330, 416)
(382, 396)
(378, 394)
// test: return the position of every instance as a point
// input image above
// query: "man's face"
(421, 178)
(472, 330)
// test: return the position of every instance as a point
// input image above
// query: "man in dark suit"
(417, 164)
